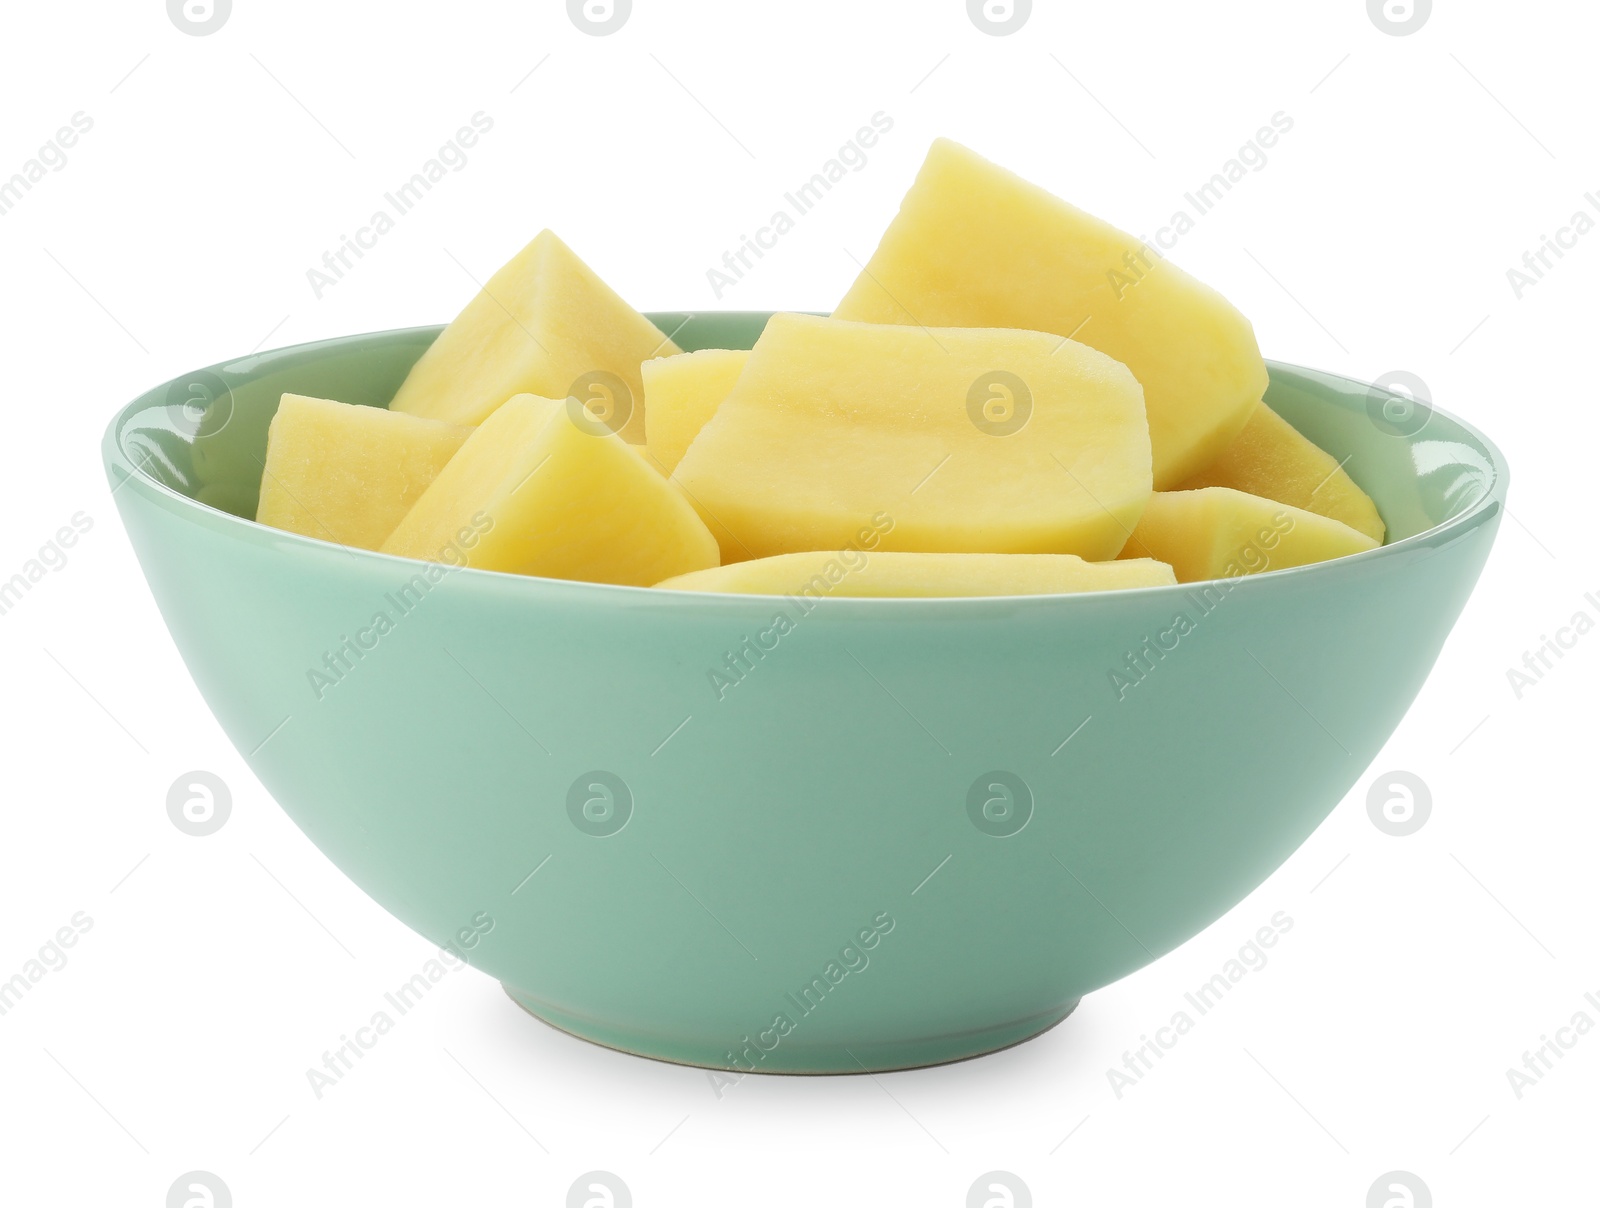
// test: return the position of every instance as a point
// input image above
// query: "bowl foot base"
(789, 1054)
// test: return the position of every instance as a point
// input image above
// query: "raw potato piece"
(541, 324)
(976, 246)
(348, 474)
(1219, 533)
(835, 426)
(858, 573)
(680, 394)
(532, 492)
(1269, 458)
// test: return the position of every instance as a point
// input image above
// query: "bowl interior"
(203, 435)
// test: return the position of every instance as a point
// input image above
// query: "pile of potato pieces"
(1013, 398)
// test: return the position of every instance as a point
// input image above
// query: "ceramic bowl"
(910, 831)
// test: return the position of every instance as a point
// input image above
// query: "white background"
(219, 169)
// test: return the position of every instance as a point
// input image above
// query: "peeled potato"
(1269, 458)
(852, 572)
(977, 246)
(969, 440)
(544, 324)
(1218, 533)
(539, 490)
(1014, 397)
(348, 474)
(680, 394)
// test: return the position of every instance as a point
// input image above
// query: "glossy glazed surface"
(858, 775)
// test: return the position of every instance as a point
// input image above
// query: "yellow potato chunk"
(853, 572)
(976, 246)
(680, 394)
(545, 324)
(540, 488)
(1219, 533)
(963, 440)
(1269, 458)
(348, 474)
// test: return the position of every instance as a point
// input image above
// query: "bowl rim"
(121, 470)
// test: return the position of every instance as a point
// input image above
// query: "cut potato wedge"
(977, 246)
(680, 394)
(536, 490)
(965, 440)
(1013, 397)
(1219, 533)
(817, 575)
(545, 324)
(349, 474)
(1270, 459)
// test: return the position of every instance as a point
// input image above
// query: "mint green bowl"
(912, 831)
